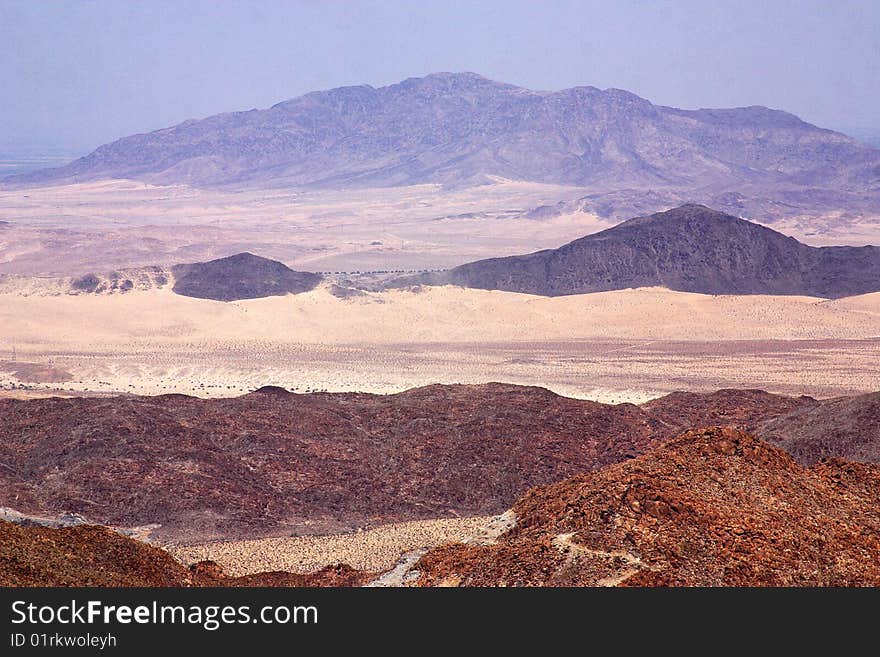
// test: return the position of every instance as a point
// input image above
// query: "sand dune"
(619, 346)
(445, 314)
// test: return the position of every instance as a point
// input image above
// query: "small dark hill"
(241, 276)
(691, 248)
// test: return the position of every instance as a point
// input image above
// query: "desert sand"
(628, 345)
(373, 550)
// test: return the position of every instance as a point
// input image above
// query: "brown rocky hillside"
(276, 463)
(713, 507)
(90, 555)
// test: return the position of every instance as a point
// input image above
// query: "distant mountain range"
(691, 249)
(459, 129)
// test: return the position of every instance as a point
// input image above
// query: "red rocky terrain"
(272, 462)
(713, 507)
(846, 426)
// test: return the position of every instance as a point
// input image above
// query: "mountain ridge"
(712, 507)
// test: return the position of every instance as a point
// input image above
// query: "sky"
(76, 74)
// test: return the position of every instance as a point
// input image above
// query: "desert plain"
(627, 345)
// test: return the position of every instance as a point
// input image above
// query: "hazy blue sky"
(79, 73)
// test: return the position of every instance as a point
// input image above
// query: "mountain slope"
(848, 427)
(691, 248)
(86, 555)
(463, 128)
(260, 462)
(713, 507)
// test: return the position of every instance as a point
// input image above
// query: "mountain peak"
(686, 212)
(691, 209)
(462, 76)
(243, 258)
(452, 83)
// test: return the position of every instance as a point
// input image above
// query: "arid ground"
(616, 346)
(75, 229)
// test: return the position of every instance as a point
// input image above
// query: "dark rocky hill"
(462, 129)
(691, 248)
(241, 276)
(846, 426)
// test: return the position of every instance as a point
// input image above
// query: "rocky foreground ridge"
(277, 463)
(91, 555)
